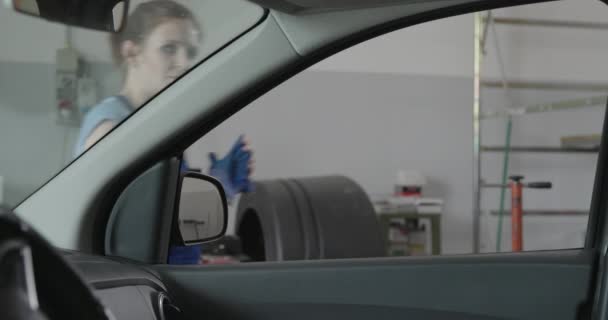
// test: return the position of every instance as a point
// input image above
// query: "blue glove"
(233, 170)
(184, 254)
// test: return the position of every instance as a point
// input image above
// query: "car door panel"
(543, 285)
(297, 311)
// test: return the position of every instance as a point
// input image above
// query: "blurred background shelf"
(547, 212)
(540, 149)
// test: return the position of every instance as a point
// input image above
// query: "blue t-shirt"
(116, 109)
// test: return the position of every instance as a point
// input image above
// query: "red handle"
(517, 240)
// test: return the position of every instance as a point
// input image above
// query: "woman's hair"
(144, 19)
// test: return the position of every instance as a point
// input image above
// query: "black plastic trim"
(111, 272)
(599, 201)
(579, 257)
(127, 282)
(596, 228)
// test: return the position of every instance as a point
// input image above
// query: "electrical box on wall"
(86, 95)
(75, 92)
(66, 79)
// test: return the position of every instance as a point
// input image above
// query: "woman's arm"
(99, 132)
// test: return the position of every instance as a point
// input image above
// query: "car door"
(551, 284)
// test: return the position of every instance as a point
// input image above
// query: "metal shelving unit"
(541, 149)
(482, 28)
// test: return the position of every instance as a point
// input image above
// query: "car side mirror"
(103, 15)
(201, 208)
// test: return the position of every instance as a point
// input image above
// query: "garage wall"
(552, 53)
(445, 47)
(29, 126)
(407, 51)
(414, 89)
(368, 126)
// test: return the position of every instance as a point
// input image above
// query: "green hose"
(503, 189)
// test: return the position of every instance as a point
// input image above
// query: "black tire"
(307, 219)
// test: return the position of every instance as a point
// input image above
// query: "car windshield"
(62, 88)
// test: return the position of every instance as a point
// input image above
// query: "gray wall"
(367, 126)
(28, 132)
(34, 144)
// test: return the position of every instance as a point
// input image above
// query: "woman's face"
(166, 53)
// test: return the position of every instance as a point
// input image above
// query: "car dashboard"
(129, 291)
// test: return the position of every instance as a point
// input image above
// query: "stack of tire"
(307, 219)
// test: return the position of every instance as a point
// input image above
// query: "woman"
(157, 45)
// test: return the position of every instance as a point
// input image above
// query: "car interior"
(95, 257)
